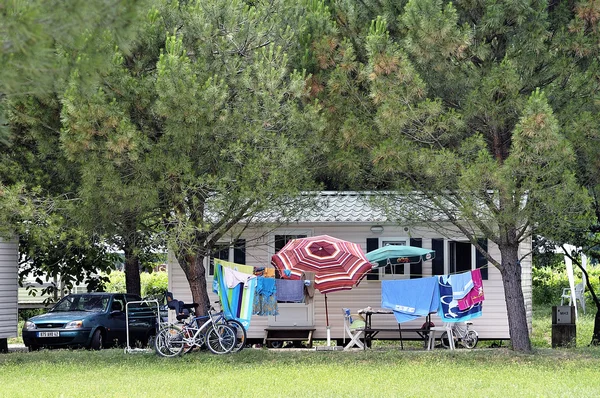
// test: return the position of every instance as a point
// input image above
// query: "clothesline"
(428, 275)
(258, 268)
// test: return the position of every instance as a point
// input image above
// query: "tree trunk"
(193, 267)
(132, 272)
(596, 334)
(132, 259)
(515, 303)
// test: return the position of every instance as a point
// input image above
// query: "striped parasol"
(337, 264)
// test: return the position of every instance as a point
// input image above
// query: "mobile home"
(9, 256)
(349, 216)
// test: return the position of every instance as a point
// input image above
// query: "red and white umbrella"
(336, 263)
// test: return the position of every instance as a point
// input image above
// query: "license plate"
(48, 334)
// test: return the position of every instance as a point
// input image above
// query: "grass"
(266, 373)
(384, 371)
(542, 327)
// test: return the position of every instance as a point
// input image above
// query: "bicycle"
(238, 328)
(463, 334)
(173, 340)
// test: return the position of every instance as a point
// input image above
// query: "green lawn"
(542, 327)
(265, 373)
(382, 372)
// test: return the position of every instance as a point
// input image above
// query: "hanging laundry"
(290, 290)
(236, 302)
(246, 269)
(269, 272)
(461, 284)
(448, 309)
(410, 298)
(233, 278)
(265, 299)
(309, 285)
(475, 295)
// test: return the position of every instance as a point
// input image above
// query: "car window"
(118, 303)
(93, 303)
(66, 304)
(82, 302)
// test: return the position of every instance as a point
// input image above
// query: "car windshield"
(82, 302)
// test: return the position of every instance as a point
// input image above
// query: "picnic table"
(371, 332)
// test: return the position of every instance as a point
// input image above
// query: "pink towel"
(475, 295)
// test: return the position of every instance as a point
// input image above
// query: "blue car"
(91, 320)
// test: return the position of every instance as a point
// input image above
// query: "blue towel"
(410, 298)
(461, 284)
(448, 309)
(290, 290)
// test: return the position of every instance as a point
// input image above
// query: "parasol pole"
(327, 323)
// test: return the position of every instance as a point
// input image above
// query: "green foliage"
(40, 42)
(116, 282)
(152, 284)
(548, 284)
(25, 314)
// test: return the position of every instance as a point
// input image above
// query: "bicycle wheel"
(240, 334)
(169, 341)
(444, 340)
(470, 340)
(220, 339)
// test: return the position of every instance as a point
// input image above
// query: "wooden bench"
(291, 333)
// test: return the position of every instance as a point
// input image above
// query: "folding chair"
(354, 327)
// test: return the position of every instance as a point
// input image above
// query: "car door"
(116, 327)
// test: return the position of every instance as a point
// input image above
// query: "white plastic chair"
(579, 295)
(441, 329)
(354, 328)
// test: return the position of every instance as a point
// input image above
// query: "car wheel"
(97, 340)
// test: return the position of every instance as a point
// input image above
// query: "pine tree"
(468, 117)
(208, 121)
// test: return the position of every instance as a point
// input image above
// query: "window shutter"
(372, 244)
(480, 260)
(437, 263)
(239, 251)
(416, 270)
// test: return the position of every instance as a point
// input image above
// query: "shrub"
(116, 282)
(26, 313)
(548, 283)
(154, 284)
